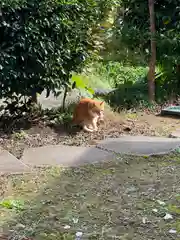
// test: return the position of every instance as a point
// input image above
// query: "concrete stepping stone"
(64, 155)
(140, 145)
(10, 164)
(175, 134)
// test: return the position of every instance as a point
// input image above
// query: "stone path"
(175, 134)
(140, 145)
(74, 156)
(10, 164)
(64, 155)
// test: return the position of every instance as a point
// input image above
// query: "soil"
(115, 125)
(128, 198)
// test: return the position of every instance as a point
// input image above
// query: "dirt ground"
(133, 198)
(115, 125)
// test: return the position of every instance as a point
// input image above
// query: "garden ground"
(128, 198)
(40, 133)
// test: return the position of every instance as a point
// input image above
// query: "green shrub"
(117, 73)
(129, 94)
(43, 41)
(130, 82)
(108, 75)
(167, 84)
(132, 31)
(132, 94)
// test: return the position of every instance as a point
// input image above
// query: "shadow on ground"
(117, 199)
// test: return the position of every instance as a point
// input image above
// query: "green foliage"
(62, 118)
(135, 92)
(96, 76)
(118, 73)
(43, 41)
(81, 82)
(129, 94)
(12, 204)
(130, 82)
(106, 75)
(132, 29)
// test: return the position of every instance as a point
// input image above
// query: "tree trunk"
(152, 62)
(64, 99)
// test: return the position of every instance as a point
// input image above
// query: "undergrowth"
(110, 74)
(129, 84)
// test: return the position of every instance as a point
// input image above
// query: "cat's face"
(97, 108)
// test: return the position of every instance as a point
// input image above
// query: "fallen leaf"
(172, 231)
(75, 220)
(168, 216)
(155, 210)
(161, 202)
(67, 227)
(78, 235)
(144, 220)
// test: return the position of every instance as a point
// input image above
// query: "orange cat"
(87, 113)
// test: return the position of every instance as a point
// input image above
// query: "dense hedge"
(43, 41)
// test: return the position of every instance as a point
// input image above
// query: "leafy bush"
(130, 83)
(132, 29)
(167, 84)
(117, 73)
(132, 94)
(43, 41)
(129, 94)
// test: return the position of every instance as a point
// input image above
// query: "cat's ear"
(101, 103)
(91, 104)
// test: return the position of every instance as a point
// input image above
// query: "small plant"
(19, 135)
(62, 118)
(12, 204)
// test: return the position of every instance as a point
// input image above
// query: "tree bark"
(64, 99)
(152, 62)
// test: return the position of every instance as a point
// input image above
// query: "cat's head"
(96, 107)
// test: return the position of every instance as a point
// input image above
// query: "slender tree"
(152, 61)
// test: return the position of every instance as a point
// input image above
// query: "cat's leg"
(90, 126)
(85, 128)
(94, 124)
(101, 117)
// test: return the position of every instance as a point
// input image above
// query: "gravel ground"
(40, 134)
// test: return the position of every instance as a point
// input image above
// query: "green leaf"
(79, 81)
(12, 204)
(177, 150)
(90, 90)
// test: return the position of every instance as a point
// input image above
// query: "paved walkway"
(73, 156)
